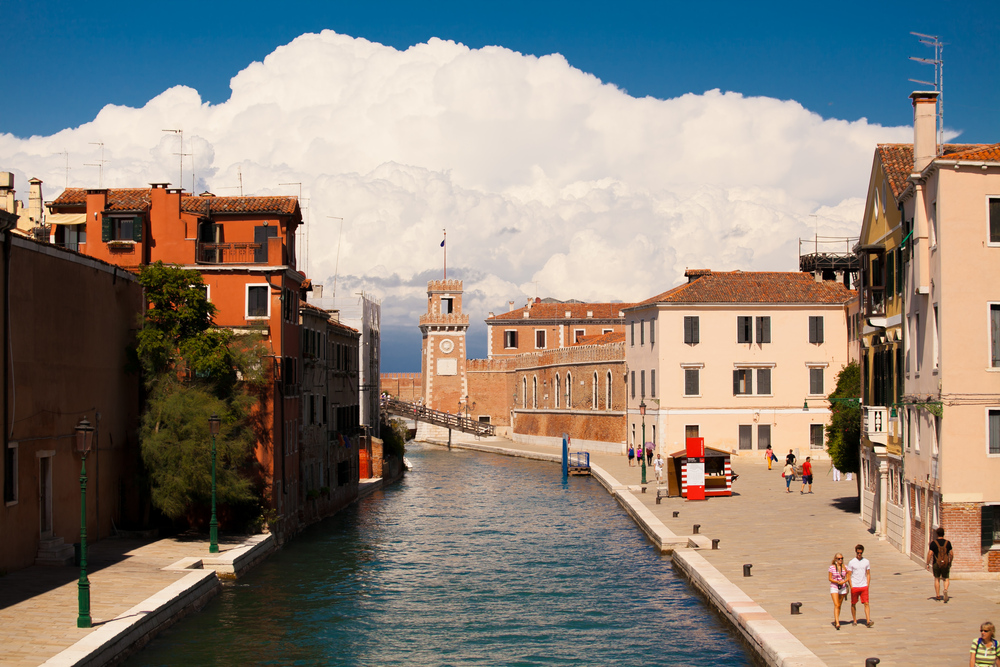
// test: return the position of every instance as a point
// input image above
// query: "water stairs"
(394, 406)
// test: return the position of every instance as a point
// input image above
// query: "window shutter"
(763, 329)
(995, 334)
(652, 382)
(688, 336)
(764, 381)
(819, 329)
(105, 228)
(695, 333)
(137, 229)
(748, 374)
(736, 382)
(994, 220)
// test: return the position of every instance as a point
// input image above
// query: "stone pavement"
(790, 539)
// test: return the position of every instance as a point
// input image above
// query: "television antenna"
(305, 228)
(66, 153)
(99, 164)
(182, 154)
(938, 62)
(336, 270)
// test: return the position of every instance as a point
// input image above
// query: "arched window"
(558, 388)
(593, 400)
(524, 392)
(534, 392)
(569, 390)
(607, 393)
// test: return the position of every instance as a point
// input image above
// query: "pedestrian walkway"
(790, 539)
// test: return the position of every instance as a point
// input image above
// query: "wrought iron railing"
(394, 406)
(232, 253)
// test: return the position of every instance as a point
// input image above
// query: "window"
(593, 394)
(764, 381)
(447, 305)
(995, 334)
(484, 419)
(815, 381)
(816, 329)
(524, 392)
(994, 220)
(990, 525)
(652, 333)
(633, 384)
(763, 436)
(692, 381)
(578, 334)
(763, 329)
(652, 383)
(744, 329)
(690, 431)
(569, 391)
(642, 332)
(121, 228)
(607, 393)
(534, 392)
(935, 331)
(607, 331)
(558, 389)
(746, 435)
(509, 339)
(815, 436)
(642, 384)
(258, 301)
(993, 430)
(691, 333)
(10, 473)
(742, 381)
(539, 339)
(632, 333)
(932, 227)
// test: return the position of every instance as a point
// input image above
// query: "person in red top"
(807, 475)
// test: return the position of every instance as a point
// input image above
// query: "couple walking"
(854, 579)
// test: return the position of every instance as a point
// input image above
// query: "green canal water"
(472, 559)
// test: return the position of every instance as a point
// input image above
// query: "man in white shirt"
(861, 577)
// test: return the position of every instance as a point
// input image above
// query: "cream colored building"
(949, 412)
(743, 359)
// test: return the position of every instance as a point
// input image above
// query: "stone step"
(53, 551)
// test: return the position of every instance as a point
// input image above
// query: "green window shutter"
(105, 228)
(137, 229)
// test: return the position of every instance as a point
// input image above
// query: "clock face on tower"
(446, 346)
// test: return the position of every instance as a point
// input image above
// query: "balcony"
(873, 304)
(876, 424)
(232, 253)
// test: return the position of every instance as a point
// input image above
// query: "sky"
(571, 150)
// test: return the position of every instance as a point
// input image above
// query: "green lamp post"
(84, 441)
(642, 454)
(213, 525)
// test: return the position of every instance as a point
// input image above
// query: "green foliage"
(193, 370)
(843, 433)
(393, 437)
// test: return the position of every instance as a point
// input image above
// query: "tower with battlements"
(443, 354)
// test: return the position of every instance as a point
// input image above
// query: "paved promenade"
(790, 539)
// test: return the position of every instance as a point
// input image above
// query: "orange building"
(551, 325)
(244, 248)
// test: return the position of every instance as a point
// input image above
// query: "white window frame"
(505, 333)
(691, 367)
(816, 365)
(822, 439)
(246, 301)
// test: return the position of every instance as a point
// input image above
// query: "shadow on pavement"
(850, 504)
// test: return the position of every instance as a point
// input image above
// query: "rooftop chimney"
(35, 200)
(924, 128)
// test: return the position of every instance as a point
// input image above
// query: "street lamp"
(642, 456)
(213, 525)
(84, 441)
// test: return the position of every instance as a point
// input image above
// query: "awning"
(66, 218)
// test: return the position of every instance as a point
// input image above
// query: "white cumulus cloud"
(547, 180)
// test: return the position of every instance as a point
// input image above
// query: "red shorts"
(859, 593)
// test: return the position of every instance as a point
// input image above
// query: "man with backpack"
(939, 557)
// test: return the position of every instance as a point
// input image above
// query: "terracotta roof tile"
(897, 160)
(986, 153)
(602, 339)
(754, 287)
(138, 199)
(557, 311)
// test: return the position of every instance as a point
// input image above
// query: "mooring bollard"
(746, 569)
(796, 606)
(676, 514)
(715, 543)
(697, 527)
(871, 662)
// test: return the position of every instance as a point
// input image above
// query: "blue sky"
(842, 60)
(548, 183)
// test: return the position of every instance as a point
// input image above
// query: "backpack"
(943, 555)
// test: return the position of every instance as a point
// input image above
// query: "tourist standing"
(984, 648)
(861, 577)
(836, 474)
(807, 475)
(838, 586)
(659, 469)
(769, 456)
(789, 474)
(790, 459)
(939, 557)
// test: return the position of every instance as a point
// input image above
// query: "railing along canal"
(394, 406)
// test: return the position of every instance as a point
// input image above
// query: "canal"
(472, 559)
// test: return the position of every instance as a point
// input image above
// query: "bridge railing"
(417, 412)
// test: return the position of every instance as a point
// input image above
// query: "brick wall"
(962, 524)
(404, 386)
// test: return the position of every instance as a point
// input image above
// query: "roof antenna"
(100, 164)
(305, 227)
(938, 62)
(66, 153)
(180, 182)
(336, 270)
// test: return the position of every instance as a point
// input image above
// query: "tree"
(192, 371)
(843, 433)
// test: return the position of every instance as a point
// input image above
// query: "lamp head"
(84, 436)
(213, 424)
(642, 407)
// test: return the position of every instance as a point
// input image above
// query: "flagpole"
(444, 244)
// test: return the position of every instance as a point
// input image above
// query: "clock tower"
(443, 328)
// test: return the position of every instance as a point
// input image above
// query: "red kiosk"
(698, 472)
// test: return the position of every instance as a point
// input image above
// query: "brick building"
(550, 325)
